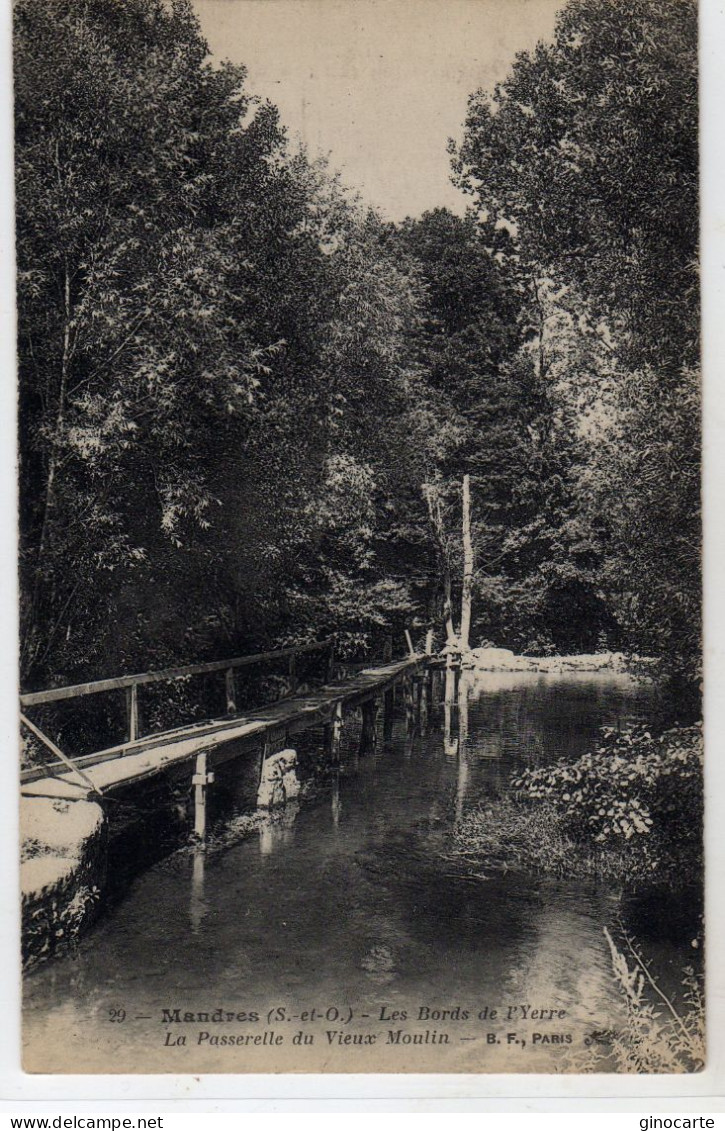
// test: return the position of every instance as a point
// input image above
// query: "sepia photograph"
(359, 441)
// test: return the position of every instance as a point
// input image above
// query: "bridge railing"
(131, 683)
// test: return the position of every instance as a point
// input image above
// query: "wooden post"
(409, 705)
(262, 759)
(429, 642)
(277, 739)
(292, 673)
(429, 674)
(388, 711)
(467, 566)
(409, 642)
(331, 664)
(333, 735)
(201, 780)
(441, 676)
(424, 706)
(368, 733)
(231, 693)
(337, 731)
(132, 712)
(450, 694)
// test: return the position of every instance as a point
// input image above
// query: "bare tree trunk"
(435, 514)
(467, 567)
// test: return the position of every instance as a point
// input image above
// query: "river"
(338, 936)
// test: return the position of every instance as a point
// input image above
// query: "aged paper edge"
(502, 1092)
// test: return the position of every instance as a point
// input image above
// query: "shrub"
(500, 834)
(657, 1032)
(657, 1036)
(632, 788)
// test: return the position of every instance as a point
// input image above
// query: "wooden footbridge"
(205, 745)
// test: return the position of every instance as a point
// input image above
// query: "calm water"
(345, 906)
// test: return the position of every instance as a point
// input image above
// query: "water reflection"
(277, 831)
(450, 738)
(464, 690)
(358, 898)
(197, 903)
(461, 781)
(335, 802)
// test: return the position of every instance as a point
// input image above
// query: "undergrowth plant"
(657, 1037)
(656, 1034)
(633, 790)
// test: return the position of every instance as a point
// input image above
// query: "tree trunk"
(467, 567)
(435, 514)
(30, 645)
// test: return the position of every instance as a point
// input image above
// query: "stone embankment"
(64, 856)
(62, 872)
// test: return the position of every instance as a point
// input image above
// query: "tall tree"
(213, 368)
(587, 152)
(485, 345)
(132, 176)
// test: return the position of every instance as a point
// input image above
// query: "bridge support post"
(423, 700)
(430, 685)
(452, 672)
(201, 780)
(368, 734)
(274, 741)
(409, 693)
(132, 712)
(333, 735)
(388, 711)
(231, 693)
(263, 754)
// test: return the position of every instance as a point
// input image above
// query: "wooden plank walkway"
(134, 761)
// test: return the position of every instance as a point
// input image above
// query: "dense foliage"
(633, 787)
(247, 403)
(536, 586)
(587, 153)
(215, 396)
(630, 810)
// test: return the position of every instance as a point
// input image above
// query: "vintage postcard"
(359, 479)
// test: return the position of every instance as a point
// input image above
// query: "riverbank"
(70, 852)
(631, 810)
(629, 815)
(348, 899)
(504, 660)
(62, 873)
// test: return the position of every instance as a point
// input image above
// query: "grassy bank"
(630, 810)
(503, 834)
